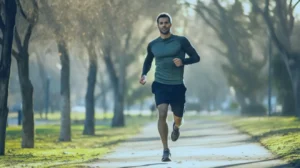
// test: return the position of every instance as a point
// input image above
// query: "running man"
(168, 87)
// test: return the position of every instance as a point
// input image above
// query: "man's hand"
(177, 62)
(143, 80)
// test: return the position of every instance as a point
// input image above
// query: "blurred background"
(76, 65)
(242, 69)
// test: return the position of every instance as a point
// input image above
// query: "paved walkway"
(203, 144)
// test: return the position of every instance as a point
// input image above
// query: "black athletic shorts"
(170, 94)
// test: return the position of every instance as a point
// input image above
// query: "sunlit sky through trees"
(246, 6)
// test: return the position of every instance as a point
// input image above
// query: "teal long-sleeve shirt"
(164, 51)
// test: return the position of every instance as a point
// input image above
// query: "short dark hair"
(163, 15)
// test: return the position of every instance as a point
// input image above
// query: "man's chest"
(166, 49)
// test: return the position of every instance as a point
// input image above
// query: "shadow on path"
(259, 161)
(145, 165)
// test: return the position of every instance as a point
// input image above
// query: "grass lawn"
(281, 135)
(48, 152)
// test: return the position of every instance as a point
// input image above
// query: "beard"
(166, 31)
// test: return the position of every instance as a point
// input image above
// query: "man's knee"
(163, 111)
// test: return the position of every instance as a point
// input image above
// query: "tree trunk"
(27, 102)
(297, 91)
(5, 63)
(288, 104)
(118, 119)
(65, 127)
(89, 125)
(3, 111)
(104, 106)
(104, 91)
(47, 97)
(44, 80)
(241, 100)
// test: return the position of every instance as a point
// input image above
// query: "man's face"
(164, 25)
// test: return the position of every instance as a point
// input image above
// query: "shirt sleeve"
(148, 61)
(190, 50)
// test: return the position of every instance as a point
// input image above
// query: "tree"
(283, 83)
(22, 57)
(44, 78)
(280, 28)
(89, 24)
(7, 28)
(89, 124)
(60, 34)
(230, 25)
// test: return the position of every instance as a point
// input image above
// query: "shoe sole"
(166, 160)
(175, 139)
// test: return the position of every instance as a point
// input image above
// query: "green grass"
(50, 152)
(54, 116)
(281, 135)
(74, 115)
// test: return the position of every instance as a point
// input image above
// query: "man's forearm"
(191, 60)
(190, 50)
(147, 64)
(146, 68)
(193, 56)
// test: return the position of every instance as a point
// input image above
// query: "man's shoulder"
(153, 41)
(180, 37)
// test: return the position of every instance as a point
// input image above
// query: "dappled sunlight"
(49, 151)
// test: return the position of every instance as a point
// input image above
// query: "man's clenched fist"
(177, 62)
(143, 80)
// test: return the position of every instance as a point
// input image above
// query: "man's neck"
(165, 36)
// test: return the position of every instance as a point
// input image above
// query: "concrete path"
(202, 144)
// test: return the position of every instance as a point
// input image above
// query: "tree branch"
(266, 10)
(139, 45)
(127, 41)
(143, 39)
(213, 14)
(285, 53)
(282, 16)
(18, 40)
(269, 23)
(2, 25)
(199, 11)
(27, 36)
(291, 4)
(110, 66)
(35, 15)
(102, 93)
(218, 50)
(13, 52)
(22, 10)
(291, 17)
(296, 4)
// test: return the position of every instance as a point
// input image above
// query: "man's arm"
(190, 50)
(148, 61)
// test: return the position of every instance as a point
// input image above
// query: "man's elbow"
(197, 59)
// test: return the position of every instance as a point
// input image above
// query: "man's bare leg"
(162, 124)
(177, 121)
(177, 114)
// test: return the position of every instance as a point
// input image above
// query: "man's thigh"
(161, 95)
(178, 100)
